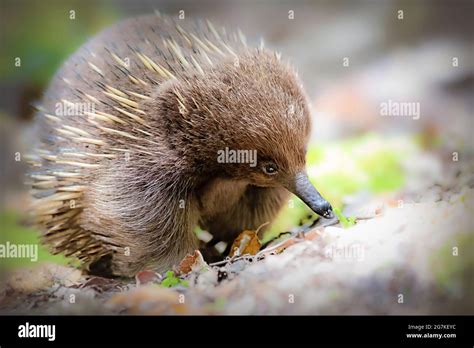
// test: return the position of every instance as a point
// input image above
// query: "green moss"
(171, 280)
(346, 222)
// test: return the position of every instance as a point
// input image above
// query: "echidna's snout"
(302, 187)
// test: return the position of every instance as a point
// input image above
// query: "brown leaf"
(192, 262)
(145, 277)
(246, 243)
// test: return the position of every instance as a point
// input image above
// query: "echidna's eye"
(270, 168)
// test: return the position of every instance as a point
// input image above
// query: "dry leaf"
(145, 277)
(246, 243)
(192, 262)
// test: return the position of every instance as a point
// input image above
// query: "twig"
(232, 259)
(279, 245)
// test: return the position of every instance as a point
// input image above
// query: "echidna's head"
(247, 119)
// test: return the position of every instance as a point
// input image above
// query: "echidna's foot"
(102, 267)
(210, 253)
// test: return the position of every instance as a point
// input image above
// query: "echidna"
(131, 129)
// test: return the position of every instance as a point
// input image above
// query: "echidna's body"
(123, 184)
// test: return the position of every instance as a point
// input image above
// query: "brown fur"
(139, 205)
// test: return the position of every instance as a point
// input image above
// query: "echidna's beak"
(302, 187)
